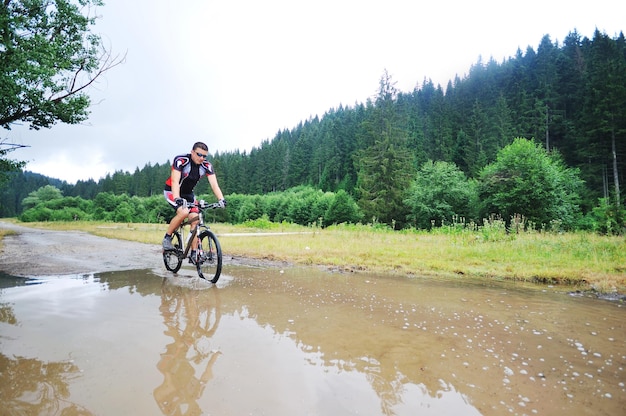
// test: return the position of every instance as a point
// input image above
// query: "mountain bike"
(208, 256)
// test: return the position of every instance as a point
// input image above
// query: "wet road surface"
(270, 341)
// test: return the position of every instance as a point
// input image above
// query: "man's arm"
(175, 179)
(214, 186)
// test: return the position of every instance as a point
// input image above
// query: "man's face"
(198, 155)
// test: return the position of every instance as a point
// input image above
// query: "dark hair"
(200, 145)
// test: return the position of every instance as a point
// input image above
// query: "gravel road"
(36, 252)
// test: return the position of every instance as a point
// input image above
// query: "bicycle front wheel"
(210, 260)
(173, 259)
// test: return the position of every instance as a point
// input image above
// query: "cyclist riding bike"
(187, 170)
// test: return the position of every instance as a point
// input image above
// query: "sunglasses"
(201, 155)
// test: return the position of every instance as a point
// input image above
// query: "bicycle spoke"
(173, 258)
(210, 263)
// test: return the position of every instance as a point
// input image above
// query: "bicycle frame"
(187, 242)
(208, 256)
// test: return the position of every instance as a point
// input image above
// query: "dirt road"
(35, 252)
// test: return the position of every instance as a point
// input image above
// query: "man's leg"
(194, 242)
(194, 224)
(181, 214)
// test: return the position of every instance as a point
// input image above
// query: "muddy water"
(267, 341)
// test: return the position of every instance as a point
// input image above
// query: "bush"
(69, 214)
(608, 219)
(123, 213)
(439, 193)
(303, 205)
(42, 195)
(298, 210)
(157, 210)
(251, 209)
(38, 213)
(342, 209)
(276, 206)
(527, 180)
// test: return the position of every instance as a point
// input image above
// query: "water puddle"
(302, 341)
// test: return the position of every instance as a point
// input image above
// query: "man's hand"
(222, 203)
(180, 202)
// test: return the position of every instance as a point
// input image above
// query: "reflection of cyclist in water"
(191, 318)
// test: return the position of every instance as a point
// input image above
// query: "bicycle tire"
(173, 259)
(209, 264)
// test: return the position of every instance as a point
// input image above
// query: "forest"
(540, 136)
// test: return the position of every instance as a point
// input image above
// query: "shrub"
(38, 213)
(342, 209)
(527, 180)
(439, 193)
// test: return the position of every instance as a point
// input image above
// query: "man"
(187, 170)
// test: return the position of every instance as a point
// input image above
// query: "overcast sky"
(232, 73)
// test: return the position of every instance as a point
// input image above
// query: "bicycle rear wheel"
(210, 261)
(173, 259)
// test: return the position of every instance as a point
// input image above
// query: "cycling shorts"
(191, 198)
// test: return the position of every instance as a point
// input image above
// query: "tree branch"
(6, 147)
(107, 63)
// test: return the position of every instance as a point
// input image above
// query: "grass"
(581, 260)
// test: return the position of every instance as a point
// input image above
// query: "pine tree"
(385, 166)
(606, 100)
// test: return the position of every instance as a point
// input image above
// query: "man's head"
(199, 152)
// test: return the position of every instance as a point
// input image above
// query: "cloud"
(233, 73)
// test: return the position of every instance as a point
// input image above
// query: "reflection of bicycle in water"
(207, 258)
(191, 318)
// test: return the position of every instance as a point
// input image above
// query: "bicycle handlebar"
(202, 204)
